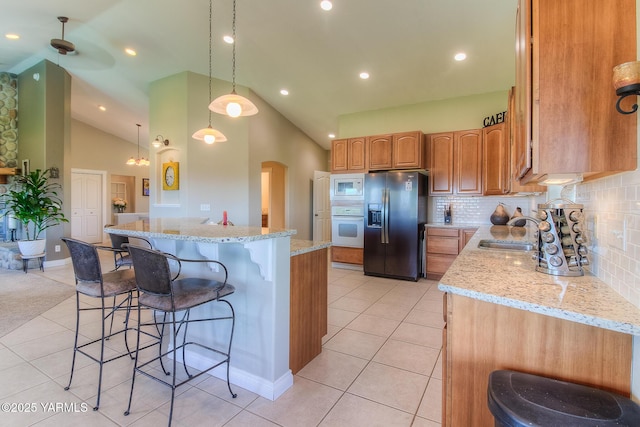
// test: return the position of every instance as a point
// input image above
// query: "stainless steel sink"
(508, 246)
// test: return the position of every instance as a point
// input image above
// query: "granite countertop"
(509, 278)
(197, 230)
(299, 247)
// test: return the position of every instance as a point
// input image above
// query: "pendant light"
(209, 134)
(233, 105)
(140, 161)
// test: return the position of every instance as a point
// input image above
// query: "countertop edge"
(312, 246)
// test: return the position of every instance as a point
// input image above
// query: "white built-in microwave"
(347, 187)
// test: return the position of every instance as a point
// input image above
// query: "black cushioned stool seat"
(518, 399)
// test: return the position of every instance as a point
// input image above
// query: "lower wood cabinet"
(480, 337)
(308, 307)
(347, 255)
(443, 246)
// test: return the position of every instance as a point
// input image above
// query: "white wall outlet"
(57, 248)
(205, 207)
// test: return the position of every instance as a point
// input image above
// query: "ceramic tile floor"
(380, 366)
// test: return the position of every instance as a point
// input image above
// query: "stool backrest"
(117, 240)
(153, 274)
(86, 263)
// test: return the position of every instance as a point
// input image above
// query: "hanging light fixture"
(140, 161)
(233, 105)
(209, 134)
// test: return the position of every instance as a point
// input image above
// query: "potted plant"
(35, 203)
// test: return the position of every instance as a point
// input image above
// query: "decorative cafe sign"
(495, 119)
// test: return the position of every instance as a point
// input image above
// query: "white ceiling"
(406, 45)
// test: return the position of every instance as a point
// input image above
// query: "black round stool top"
(517, 399)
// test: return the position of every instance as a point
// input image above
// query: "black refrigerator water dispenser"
(374, 215)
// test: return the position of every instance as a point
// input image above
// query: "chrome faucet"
(517, 218)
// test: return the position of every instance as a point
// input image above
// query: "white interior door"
(86, 206)
(321, 206)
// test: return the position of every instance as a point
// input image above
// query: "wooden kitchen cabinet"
(380, 152)
(495, 160)
(455, 163)
(403, 150)
(441, 147)
(347, 255)
(566, 120)
(515, 185)
(348, 155)
(481, 337)
(408, 150)
(443, 246)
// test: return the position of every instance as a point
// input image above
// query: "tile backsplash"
(612, 213)
(478, 210)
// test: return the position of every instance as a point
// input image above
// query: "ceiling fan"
(61, 45)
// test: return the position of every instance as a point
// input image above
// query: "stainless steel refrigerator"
(396, 210)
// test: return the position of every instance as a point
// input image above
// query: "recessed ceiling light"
(326, 5)
(332, 135)
(102, 108)
(284, 92)
(228, 39)
(364, 75)
(130, 51)
(12, 36)
(460, 56)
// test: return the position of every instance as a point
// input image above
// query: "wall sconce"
(160, 141)
(54, 172)
(626, 81)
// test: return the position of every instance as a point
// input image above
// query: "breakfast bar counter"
(259, 262)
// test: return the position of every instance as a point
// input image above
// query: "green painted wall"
(466, 112)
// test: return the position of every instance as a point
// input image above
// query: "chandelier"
(139, 161)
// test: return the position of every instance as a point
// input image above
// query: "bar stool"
(161, 290)
(92, 283)
(121, 257)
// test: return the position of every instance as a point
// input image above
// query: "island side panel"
(308, 321)
(483, 337)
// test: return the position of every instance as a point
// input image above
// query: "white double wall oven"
(347, 210)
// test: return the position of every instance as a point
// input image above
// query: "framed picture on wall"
(145, 186)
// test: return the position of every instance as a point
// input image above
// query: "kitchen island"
(259, 262)
(502, 314)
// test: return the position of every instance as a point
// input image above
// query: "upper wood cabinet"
(515, 185)
(348, 155)
(495, 160)
(468, 162)
(566, 120)
(408, 150)
(440, 147)
(380, 152)
(455, 162)
(396, 151)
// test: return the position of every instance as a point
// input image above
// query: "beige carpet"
(26, 296)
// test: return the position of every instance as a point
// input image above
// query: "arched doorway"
(273, 195)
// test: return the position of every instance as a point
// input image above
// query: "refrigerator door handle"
(385, 219)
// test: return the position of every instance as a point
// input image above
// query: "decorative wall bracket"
(625, 91)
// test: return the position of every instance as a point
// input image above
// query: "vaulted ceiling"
(407, 47)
